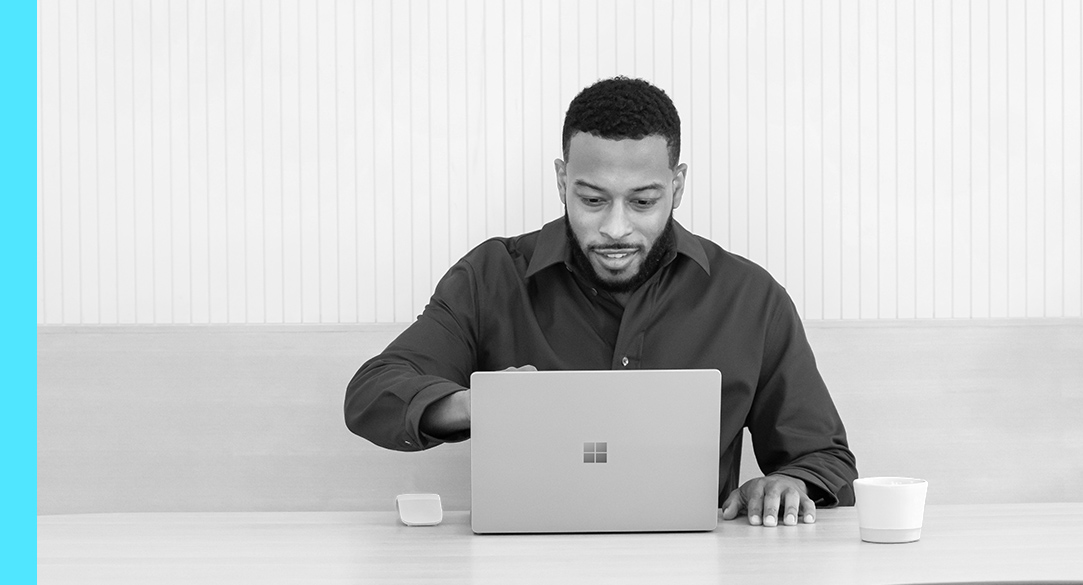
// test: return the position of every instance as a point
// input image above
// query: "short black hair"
(621, 107)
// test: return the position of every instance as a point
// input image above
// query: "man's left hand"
(765, 498)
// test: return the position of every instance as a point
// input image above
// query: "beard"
(655, 255)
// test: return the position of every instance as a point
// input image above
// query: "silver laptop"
(594, 451)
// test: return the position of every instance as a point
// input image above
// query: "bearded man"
(617, 284)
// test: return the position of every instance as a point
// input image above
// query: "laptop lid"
(594, 451)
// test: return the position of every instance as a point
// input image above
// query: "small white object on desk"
(890, 509)
(419, 509)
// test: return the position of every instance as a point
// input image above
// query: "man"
(618, 284)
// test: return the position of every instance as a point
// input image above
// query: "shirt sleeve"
(431, 359)
(795, 427)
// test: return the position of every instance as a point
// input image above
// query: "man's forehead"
(649, 153)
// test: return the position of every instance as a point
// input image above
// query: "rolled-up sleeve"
(430, 360)
(796, 429)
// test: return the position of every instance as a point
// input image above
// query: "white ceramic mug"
(890, 509)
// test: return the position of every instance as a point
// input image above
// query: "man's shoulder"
(733, 267)
(503, 252)
(738, 281)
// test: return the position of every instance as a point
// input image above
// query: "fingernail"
(791, 519)
(754, 520)
(769, 521)
(809, 519)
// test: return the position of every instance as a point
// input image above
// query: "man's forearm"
(447, 416)
(386, 399)
(827, 474)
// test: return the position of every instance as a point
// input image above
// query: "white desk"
(1025, 542)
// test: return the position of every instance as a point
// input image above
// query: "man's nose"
(617, 224)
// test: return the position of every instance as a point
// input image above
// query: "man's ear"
(678, 184)
(562, 177)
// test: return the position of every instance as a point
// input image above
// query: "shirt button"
(595, 291)
(408, 442)
(624, 361)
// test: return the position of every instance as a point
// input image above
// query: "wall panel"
(203, 161)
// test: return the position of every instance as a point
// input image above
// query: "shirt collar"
(552, 247)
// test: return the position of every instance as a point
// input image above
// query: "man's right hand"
(451, 414)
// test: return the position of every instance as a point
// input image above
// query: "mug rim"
(890, 481)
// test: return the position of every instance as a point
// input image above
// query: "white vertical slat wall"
(326, 161)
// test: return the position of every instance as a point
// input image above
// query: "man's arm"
(433, 359)
(798, 436)
(448, 416)
(796, 429)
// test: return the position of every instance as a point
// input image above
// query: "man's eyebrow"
(650, 187)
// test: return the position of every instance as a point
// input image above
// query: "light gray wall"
(250, 418)
(327, 161)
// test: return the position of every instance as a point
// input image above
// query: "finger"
(808, 510)
(754, 501)
(529, 368)
(771, 499)
(791, 501)
(732, 506)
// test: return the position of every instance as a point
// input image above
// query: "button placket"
(632, 329)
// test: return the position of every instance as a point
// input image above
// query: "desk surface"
(1024, 542)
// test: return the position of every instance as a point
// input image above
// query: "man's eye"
(592, 201)
(646, 202)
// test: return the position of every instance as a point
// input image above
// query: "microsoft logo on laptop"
(594, 452)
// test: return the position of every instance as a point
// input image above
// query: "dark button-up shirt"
(518, 301)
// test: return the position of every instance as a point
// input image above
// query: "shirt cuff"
(818, 491)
